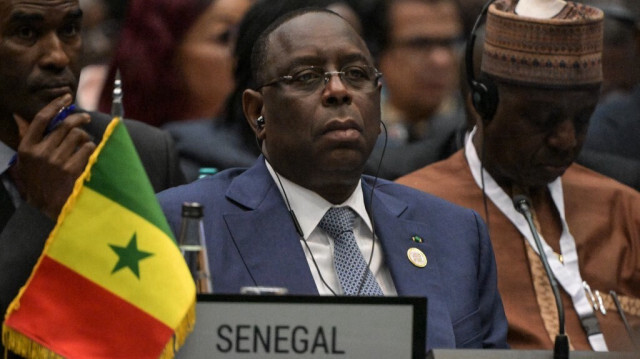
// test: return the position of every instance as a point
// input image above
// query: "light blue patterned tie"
(348, 260)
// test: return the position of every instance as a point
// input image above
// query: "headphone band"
(471, 44)
(484, 94)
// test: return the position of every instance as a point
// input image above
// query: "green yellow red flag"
(111, 281)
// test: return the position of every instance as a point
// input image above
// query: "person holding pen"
(40, 46)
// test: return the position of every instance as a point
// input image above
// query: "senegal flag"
(111, 281)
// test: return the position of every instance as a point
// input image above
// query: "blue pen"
(62, 114)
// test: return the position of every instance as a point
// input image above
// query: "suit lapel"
(265, 235)
(270, 246)
(395, 234)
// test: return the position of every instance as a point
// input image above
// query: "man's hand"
(48, 166)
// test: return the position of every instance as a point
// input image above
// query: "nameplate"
(249, 326)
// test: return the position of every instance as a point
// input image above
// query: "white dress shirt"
(309, 208)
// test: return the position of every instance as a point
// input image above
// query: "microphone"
(522, 204)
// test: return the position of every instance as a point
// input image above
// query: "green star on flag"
(129, 256)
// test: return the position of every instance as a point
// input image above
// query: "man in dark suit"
(40, 48)
(316, 115)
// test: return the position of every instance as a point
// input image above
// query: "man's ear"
(252, 107)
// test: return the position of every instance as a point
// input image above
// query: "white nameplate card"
(250, 326)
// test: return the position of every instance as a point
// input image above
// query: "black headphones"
(260, 122)
(484, 94)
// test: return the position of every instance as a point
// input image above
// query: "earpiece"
(484, 94)
(260, 122)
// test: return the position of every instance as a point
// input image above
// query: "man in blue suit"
(316, 117)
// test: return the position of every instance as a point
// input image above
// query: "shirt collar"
(6, 155)
(310, 207)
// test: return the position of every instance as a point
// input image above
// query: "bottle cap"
(207, 171)
(260, 290)
(192, 210)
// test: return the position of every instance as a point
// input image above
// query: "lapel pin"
(416, 239)
(417, 257)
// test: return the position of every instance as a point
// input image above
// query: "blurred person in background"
(100, 29)
(101, 24)
(175, 58)
(421, 106)
(617, 115)
(620, 55)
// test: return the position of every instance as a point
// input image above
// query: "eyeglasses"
(310, 79)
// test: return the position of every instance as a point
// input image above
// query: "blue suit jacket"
(251, 240)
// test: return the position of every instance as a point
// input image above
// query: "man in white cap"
(541, 75)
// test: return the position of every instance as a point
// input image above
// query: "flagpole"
(117, 110)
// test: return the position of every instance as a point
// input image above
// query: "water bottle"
(193, 246)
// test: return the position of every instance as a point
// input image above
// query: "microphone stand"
(561, 346)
